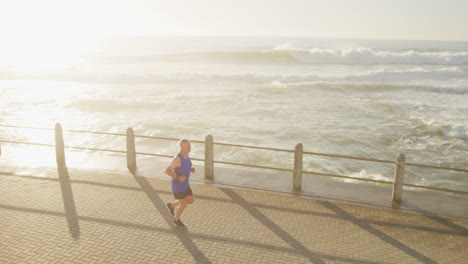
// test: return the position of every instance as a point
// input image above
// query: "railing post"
(209, 158)
(297, 175)
(131, 153)
(399, 176)
(59, 146)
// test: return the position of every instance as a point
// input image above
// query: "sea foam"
(360, 55)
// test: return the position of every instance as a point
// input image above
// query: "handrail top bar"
(152, 137)
(254, 147)
(42, 128)
(348, 157)
(95, 132)
(346, 177)
(166, 138)
(245, 146)
(266, 167)
(435, 167)
(252, 166)
(217, 143)
(66, 130)
(26, 143)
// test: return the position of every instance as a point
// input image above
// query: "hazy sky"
(394, 19)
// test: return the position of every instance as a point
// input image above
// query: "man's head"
(185, 146)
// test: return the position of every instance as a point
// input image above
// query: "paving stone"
(114, 217)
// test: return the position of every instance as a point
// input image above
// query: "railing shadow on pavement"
(199, 236)
(377, 233)
(68, 202)
(252, 208)
(67, 197)
(185, 236)
(254, 212)
(457, 230)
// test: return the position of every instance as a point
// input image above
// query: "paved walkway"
(83, 216)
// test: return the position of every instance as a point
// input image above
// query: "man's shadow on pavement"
(181, 233)
(68, 202)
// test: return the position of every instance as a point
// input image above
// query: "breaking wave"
(360, 56)
(446, 130)
(444, 79)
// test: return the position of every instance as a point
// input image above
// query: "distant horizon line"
(271, 36)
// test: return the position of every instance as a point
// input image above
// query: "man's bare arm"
(170, 169)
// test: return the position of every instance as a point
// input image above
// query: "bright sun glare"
(41, 52)
(43, 35)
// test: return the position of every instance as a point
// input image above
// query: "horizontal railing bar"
(348, 157)
(171, 139)
(72, 147)
(217, 143)
(154, 155)
(246, 146)
(225, 144)
(435, 188)
(27, 143)
(346, 177)
(265, 167)
(435, 167)
(41, 128)
(163, 138)
(234, 145)
(66, 130)
(96, 149)
(237, 145)
(197, 141)
(95, 132)
(246, 165)
(252, 166)
(163, 156)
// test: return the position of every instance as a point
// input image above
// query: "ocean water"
(364, 98)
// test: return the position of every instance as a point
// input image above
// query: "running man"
(180, 169)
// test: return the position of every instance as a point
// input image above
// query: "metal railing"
(209, 161)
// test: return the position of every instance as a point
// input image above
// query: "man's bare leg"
(180, 209)
(175, 204)
(189, 199)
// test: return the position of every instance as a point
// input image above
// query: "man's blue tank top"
(184, 169)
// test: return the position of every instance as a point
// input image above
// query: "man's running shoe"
(179, 223)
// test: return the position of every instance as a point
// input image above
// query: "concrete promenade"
(87, 216)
